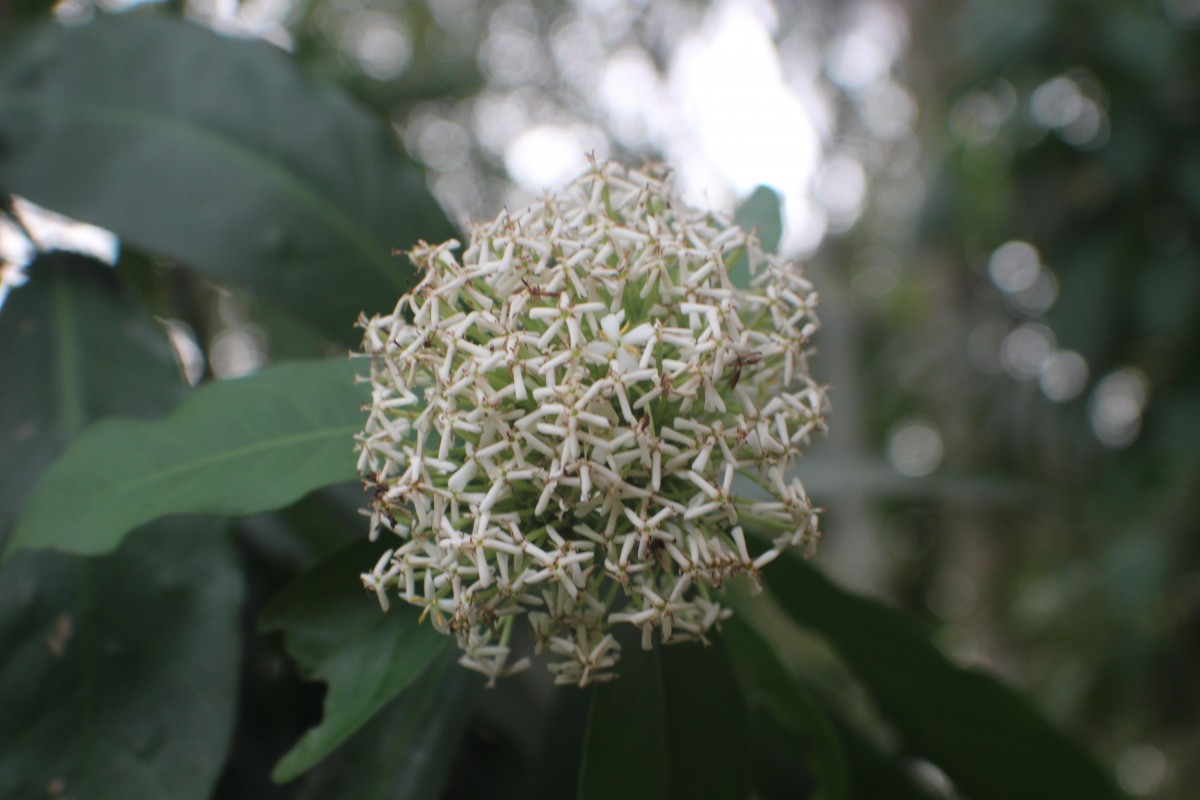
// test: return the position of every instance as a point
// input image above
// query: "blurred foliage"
(1054, 544)
(1074, 127)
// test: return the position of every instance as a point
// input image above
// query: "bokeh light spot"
(1142, 769)
(1117, 405)
(915, 448)
(1014, 266)
(1063, 376)
(547, 155)
(1026, 349)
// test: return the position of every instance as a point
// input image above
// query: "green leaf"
(560, 749)
(337, 633)
(760, 212)
(220, 154)
(877, 773)
(770, 687)
(405, 751)
(26, 10)
(990, 741)
(673, 725)
(72, 349)
(233, 447)
(778, 769)
(119, 675)
(96, 650)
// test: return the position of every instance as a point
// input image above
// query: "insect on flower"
(538, 291)
(743, 360)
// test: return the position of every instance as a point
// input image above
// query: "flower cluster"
(558, 419)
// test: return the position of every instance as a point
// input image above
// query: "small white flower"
(558, 416)
(625, 348)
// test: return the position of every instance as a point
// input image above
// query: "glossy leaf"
(72, 350)
(220, 154)
(119, 674)
(990, 741)
(672, 726)
(234, 447)
(771, 688)
(337, 633)
(406, 750)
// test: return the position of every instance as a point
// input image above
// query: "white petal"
(459, 480)
(626, 360)
(611, 325)
(638, 336)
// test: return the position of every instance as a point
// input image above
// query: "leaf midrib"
(232, 455)
(122, 116)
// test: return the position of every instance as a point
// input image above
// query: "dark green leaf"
(24, 11)
(561, 748)
(777, 768)
(337, 633)
(99, 653)
(877, 773)
(234, 447)
(761, 212)
(72, 350)
(220, 154)
(991, 741)
(405, 752)
(673, 725)
(770, 687)
(706, 722)
(758, 213)
(119, 675)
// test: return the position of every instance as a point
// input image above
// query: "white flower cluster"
(558, 417)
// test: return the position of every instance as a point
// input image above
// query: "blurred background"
(999, 204)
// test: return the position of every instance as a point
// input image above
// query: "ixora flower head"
(559, 415)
